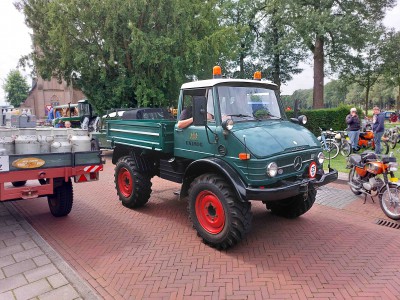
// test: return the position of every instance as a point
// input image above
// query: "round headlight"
(321, 158)
(272, 169)
(302, 119)
(227, 124)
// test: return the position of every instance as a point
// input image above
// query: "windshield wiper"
(241, 116)
(267, 114)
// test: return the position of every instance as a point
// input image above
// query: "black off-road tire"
(295, 206)
(219, 218)
(133, 187)
(60, 203)
(19, 183)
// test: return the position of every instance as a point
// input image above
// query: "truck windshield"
(248, 102)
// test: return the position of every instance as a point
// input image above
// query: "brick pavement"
(30, 268)
(335, 251)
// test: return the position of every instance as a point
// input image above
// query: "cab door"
(195, 142)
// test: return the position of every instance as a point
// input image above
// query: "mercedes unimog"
(239, 148)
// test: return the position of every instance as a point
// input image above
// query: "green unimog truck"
(239, 148)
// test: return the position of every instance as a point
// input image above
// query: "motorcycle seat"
(368, 156)
(355, 159)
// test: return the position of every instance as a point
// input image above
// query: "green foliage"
(16, 88)
(126, 52)
(326, 118)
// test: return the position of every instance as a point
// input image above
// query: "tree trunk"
(398, 101)
(318, 92)
(366, 100)
(241, 62)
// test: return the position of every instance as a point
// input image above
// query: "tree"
(331, 29)
(365, 67)
(391, 54)
(16, 88)
(126, 52)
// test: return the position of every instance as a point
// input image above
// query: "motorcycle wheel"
(345, 149)
(393, 140)
(332, 149)
(354, 178)
(391, 207)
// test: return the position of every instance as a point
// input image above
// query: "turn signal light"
(244, 156)
(257, 75)
(217, 73)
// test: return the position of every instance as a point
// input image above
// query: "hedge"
(325, 118)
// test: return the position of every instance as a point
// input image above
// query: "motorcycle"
(369, 175)
(366, 140)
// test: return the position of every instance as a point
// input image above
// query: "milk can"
(7, 137)
(80, 140)
(45, 138)
(27, 142)
(61, 142)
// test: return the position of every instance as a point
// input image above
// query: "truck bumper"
(289, 188)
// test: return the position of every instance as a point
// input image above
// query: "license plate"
(394, 179)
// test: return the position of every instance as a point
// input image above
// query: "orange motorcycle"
(366, 141)
(369, 175)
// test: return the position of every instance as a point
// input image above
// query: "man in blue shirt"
(378, 128)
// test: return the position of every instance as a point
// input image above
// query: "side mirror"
(199, 111)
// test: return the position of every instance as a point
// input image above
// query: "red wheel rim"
(125, 183)
(210, 212)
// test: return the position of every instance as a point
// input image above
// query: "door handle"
(179, 130)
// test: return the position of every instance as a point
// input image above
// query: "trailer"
(50, 175)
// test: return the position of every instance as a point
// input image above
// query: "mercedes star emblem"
(297, 163)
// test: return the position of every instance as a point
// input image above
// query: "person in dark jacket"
(353, 128)
(378, 128)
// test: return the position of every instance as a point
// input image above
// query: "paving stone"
(17, 240)
(6, 235)
(41, 260)
(29, 245)
(41, 272)
(6, 261)
(19, 267)
(2, 276)
(7, 284)
(32, 290)
(27, 254)
(11, 250)
(57, 280)
(7, 296)
(65, 292)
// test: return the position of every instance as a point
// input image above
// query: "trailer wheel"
(295, 206)
(133, 187)
(220, 219)
(18, 183)
(60, 203)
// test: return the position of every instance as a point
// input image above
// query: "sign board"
(4, 163)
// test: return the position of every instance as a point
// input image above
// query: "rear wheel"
(354, 179)
(60, 203)
(295, 206)
(330, 148)
(393, 140)
(390, 201)
(133, 187)
(385, 147)
(220, 219)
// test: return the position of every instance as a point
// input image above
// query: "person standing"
(353, 128)
(378, 128)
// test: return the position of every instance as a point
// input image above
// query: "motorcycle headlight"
(321, 158)
(338, 136)
(272, 169)
(393, 166)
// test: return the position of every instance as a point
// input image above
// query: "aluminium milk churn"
(80, 140)
(61, 142)
(7, 137)
(45, 138)
(27, 142)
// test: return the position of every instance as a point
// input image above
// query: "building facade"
(44, 94)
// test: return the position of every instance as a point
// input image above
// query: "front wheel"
(60, 203)
(385, 147)
(390, 201)
(295, 206)
(393, 140)
(220, 219)
(133, 187)
(345, 150)
(330, 148)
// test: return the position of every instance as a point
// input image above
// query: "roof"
(213, 82)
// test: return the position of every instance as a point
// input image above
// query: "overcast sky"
(15, 42)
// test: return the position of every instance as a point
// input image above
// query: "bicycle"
(392, 134)
(330, 148)
(344, 145)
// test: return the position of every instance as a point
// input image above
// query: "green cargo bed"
(148, 134)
